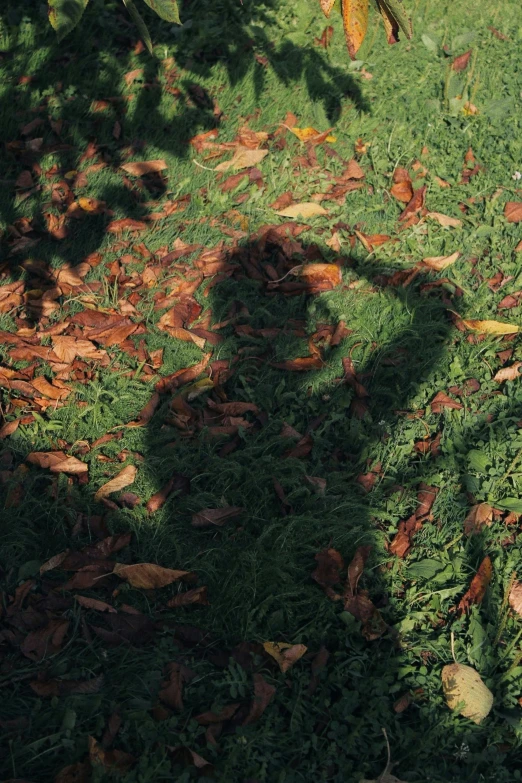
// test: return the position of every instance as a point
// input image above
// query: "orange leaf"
(137, 169)
(326, 7)
(478, 586)
(355, 21)
(125, 477)
(513, 211)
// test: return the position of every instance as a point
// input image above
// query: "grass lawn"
(269, 419)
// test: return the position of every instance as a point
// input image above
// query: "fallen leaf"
(464, 690)
(325, 276)
(362, 608)
(178, 482)
(75, 773)
(490, 327)
(114, 759)
(149, 576)
(441, 401)
(479, 517)
(460, 63)
(515, 597)
(302, 364)
(124, 478)
(513, 211)
(263, 695)
(45, 641)
(171, 693)
(243, 158)
(510, 373)
(402, 188)
(478, 586)
(9, 428)
(356, 568)
(125, 224)
(144, 167)
(198, 595)
(285, 654)
(57, 462)
(305, 210)
(146, 413)
(438, 263)
(371, 241)
(401, 544)
(327, 573)
(312, 136)
(94, 603)
(215, 516)
(415, 204)
(444, 220)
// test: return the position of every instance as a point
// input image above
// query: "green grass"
(405, 348)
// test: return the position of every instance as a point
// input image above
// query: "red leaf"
(460, 63)
(478, 586)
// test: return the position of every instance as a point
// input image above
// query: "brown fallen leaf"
(371, 241)
(198, 595)
(57, 462)
(243, 158)
(68, 348)
(362, 608)
(149, 576)
(285, 654)
(478, 586)
(305, 210)
(479, 517)
(9, 428)
(303, 364)
(465, 690)
(513, 211)
(215, 516)
(402, 542)
(263, 695)
(125, 224)
(460, 63)
(146, 413)
(402, 188)
(57, 687)
(114, 759)
(45, 641)
(124, 478)
(441, 401)
(438, 263)
(415, 204)
(355, 569)
(327, 573)
(94, 603)
(510, 373)
(323, 276)
(171, 693)
(138, 169)
(75, 773)
(515, 597)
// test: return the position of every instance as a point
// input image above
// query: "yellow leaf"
(355, 20)
(312, 135)
(305, 210)
(149, 576)
(490, 327)
(121, 480)
(243, 158)
(285, 654)
(326, 7)
(438, 263)
(465, 691)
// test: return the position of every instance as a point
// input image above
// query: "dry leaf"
(137, 169)
(480, 516)
(438, 263)
(465, 690)
(198, 595)
(149, 576)
(215, 516)
(263, 695)
(304, 210)
(124, 478)
(326, 7)
(515, 597)
(490, 327)
(510, 373)
(327, 276)
(57, 462)
(513, 211)
(116, 760)
(313, 136)
(94, 603)
(444, 220)
(402, 188)
(478, 586)
(244, 157)
(355, 21)
(460, 63)
(441, 401)
(285, 654)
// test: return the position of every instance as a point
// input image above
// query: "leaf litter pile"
(260, 437)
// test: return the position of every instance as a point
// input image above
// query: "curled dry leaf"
(438, 263)
(138, 169)
(285, 654)
(510, 373)
(402, 188)
(515, 597)
(306, 209)
(464, 690)
(57, 462)
(356, 568)
(362, 608)
(124, 478)
(327, 276)
(149, 576)
(490, 327)
(94, 603)
(215, 516)
(444, 220)
(478, 586)
(513, 211)
(442, 400)
(146, 414)
(243, 158)
(460, 63)
(479, 517)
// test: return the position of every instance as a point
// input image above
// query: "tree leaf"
(513, 211)
(395, 10)
(391, 26)
(480, 516)
(57, 462)
(355, 20)
(490, 327)
(444, 220)
(478, 586)
(140, 24)
(510, 373)
(464, 690)
(138, 168)
(313, 136)
(215, 516)
(125, 477)
(305, 210)
(438, 263)
(326, 7)
(167, 9)
(285, 654)
(244, 157)
(515, 597)
(149, 576)
(64, 15)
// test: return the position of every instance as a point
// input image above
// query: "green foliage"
(64, 15)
